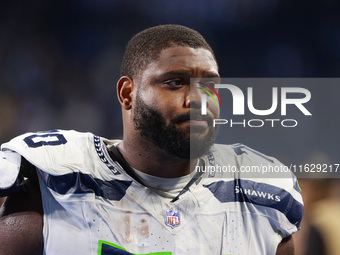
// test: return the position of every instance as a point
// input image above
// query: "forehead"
(196, 61)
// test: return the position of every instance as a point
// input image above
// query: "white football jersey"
(91, 206)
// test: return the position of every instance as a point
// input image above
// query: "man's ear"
(125, 87)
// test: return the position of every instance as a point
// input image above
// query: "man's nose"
(194, 97)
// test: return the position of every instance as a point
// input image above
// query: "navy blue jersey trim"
(101, 155)
(79, 183)
(109, 250)
(258, 194)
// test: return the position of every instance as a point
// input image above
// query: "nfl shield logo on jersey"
(172, 218)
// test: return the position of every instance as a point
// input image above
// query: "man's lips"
(198, 123)
(195, 120)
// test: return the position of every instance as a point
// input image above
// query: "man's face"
(167, 110)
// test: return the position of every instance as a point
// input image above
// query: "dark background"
(60, 60)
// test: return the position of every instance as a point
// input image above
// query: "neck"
(150, 159)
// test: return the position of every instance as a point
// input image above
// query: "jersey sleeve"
(10, 179)
(286, 210)
(266, 185)
(46, 151)
(55, 152)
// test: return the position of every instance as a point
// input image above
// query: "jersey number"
(43, 139)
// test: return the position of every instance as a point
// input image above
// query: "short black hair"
(146, 46)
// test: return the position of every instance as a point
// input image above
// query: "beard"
(151, 125)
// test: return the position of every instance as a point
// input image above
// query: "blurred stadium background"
(60, 60)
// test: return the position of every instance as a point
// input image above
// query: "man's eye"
(175, 82)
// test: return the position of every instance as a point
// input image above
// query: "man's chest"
(145, 223)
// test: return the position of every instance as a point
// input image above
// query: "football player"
(77, 193)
